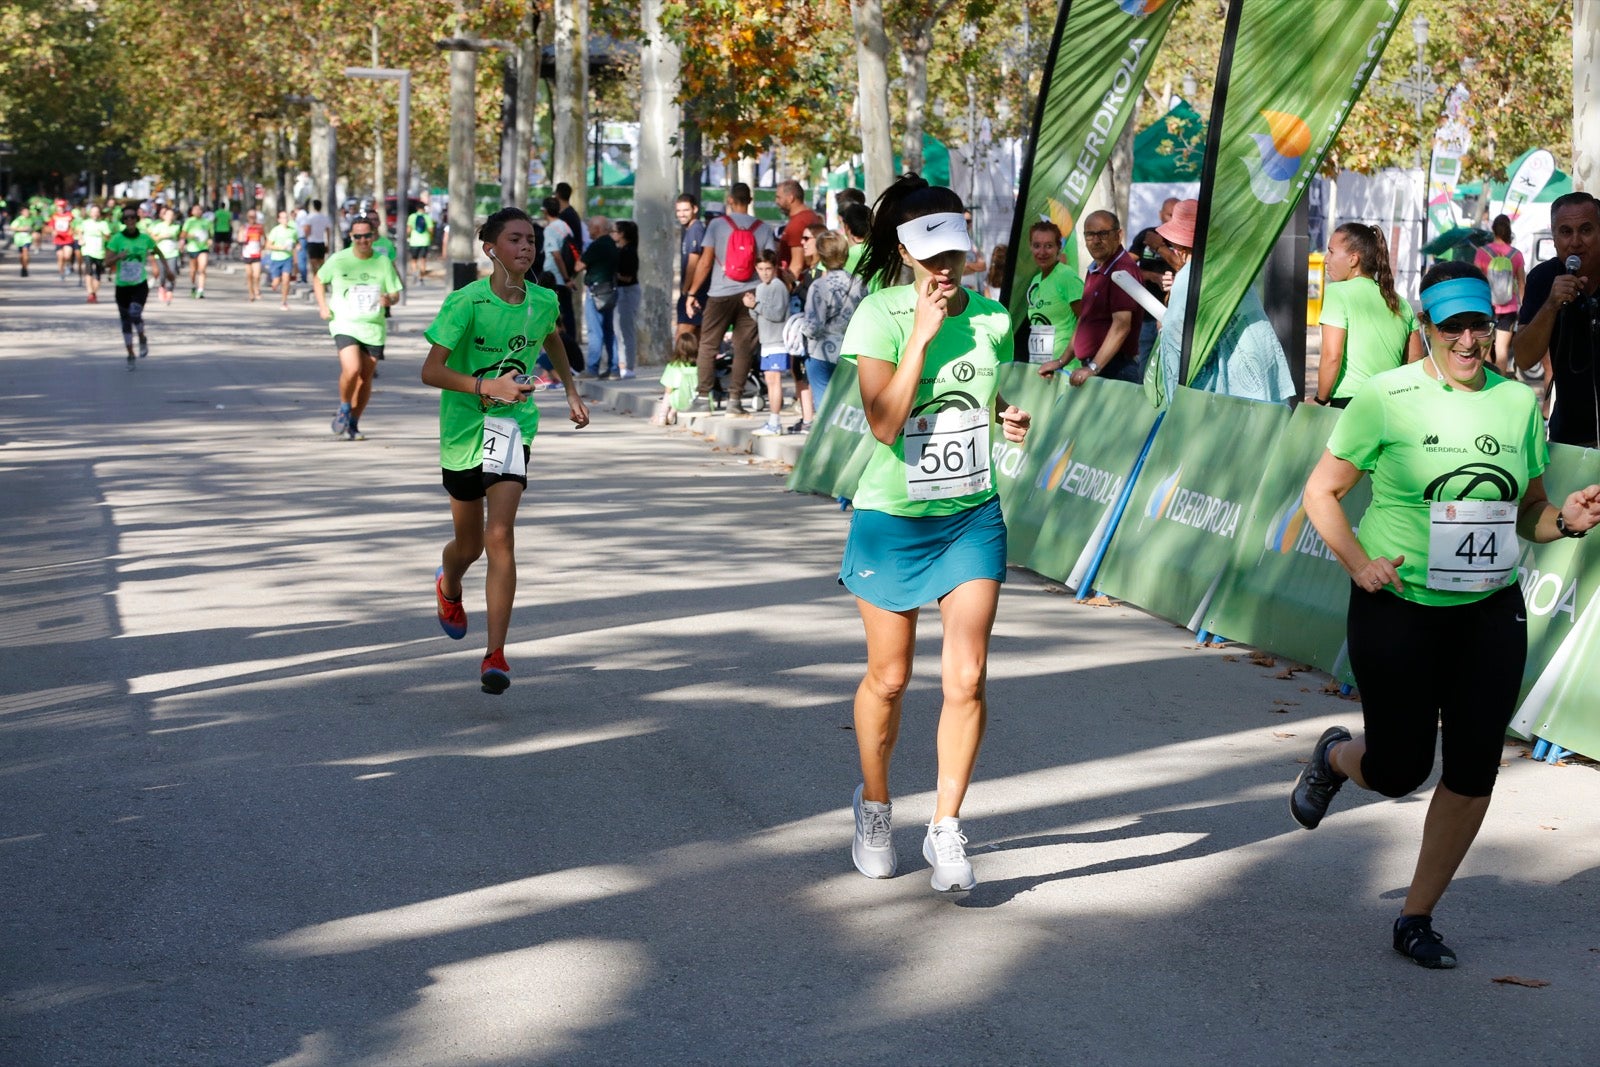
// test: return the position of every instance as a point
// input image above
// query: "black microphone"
(1573, 263)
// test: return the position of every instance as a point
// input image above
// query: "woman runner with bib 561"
(485, 340)
(927, 525)
(1437, 624)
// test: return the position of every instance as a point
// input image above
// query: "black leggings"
(130, 306)
(1418, 666)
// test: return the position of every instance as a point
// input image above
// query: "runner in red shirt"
(59, 226)
(252, 239)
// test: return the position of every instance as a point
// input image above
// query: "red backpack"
(739, 264)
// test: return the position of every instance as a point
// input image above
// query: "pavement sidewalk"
(254, 809)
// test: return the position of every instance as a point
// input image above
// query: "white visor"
(928, 235)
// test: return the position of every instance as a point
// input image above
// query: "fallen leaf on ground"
(1302, 760)
(1275, 733)
(1261, 659)
(1305, 689)
(1549, 827)
(1531, 983)
(1287, 672)
(1100, 601)
(1287, 703)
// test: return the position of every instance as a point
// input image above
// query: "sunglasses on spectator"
(361, 236)
(1095, 235)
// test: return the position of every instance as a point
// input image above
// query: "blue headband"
(1455, 297)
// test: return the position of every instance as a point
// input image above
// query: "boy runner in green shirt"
(93, 232)
(281, 240)
(359, 286)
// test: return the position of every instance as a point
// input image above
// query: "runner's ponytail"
(1372, 253)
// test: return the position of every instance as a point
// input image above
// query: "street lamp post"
(1417, 87)
(402, 200)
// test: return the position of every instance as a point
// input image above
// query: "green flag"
(1291, 70)
(1098, 63)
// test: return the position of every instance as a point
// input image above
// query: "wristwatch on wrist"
(1094, 368)
(1563, 529)
(1318, 401)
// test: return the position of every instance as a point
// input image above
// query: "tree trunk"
(1586, 95)
(571, 103)
(378, 181)
(914, 61)
(463, 167)
(527, 101)
(693, 145)
(324, 171)
(655, 177)
(872, 52)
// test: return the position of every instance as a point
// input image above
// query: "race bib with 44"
(1472, 545)
(947, 454)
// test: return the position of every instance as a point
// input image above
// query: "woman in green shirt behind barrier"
(484, 343)
(927, 524)
(1437, 626)
(1366, 328)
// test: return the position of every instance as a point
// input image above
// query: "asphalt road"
(255, 810)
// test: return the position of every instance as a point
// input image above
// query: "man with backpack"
(419, 241)
(1503, 266)
(735, 241)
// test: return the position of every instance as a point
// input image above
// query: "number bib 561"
(947, 454)
(1472, 544)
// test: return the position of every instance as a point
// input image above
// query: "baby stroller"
(755, 388)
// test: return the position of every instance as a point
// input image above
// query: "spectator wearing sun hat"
(1248, 360)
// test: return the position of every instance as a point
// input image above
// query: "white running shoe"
(873, 848)
(945, 849)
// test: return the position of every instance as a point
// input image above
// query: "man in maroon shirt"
(1107, 337)
(791, 200)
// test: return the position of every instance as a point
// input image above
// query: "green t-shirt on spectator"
(1374, 337)
(1050, 300)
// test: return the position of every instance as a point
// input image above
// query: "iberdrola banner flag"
(1290, 72)
(1098, 62)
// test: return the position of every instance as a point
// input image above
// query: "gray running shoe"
(945, 848)
(873, 848)
(1315, 788)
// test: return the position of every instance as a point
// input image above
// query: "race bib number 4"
(1472, 545)
(947, 454)
(502, 447)
(1041, 343)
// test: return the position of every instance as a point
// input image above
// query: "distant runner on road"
(353, 289)
(126, 255)
(485, 340)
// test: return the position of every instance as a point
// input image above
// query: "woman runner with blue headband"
(1437, 629)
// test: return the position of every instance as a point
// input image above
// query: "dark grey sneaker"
(1415, 938)
(735, 406)
(1317, 784)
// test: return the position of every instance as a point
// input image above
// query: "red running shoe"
(496, 675)
(452, 616)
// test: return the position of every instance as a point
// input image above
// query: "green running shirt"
(1422, 442)
(1374, 337)
(487, 338)
(960, 371)
(355, 287)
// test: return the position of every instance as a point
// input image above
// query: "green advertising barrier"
(839, 445)
(1016, 467)
(1103, 427)
(1177, 538)
(1561, 585)
(1285, 591)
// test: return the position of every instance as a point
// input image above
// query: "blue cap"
(1455, 297)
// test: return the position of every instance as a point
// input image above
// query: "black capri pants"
(1421, 667)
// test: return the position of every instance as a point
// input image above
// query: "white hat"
(928, 235)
